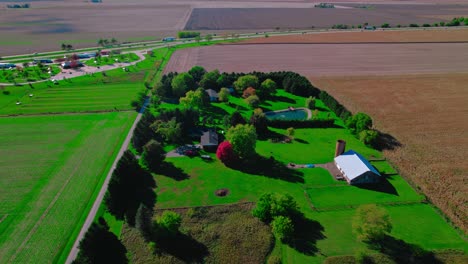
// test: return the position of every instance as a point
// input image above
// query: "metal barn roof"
(354, 165)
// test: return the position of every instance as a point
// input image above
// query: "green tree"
(270, 205)
(209, 37)
(169, 221)
(359, 122)
(235, 119)
(371, 223)
(182, 83)
(259, 121)
(197, 73)
(153, 155)
(209, 80)
(143, 221)
(244, 82)
(266, 89)
(253, 101)
(243, 139)
(197, 39)
(193, 99)
(369, 137)
(99, 245)
(224, 94)
(310, 102)
(290, 132)
(282, 227)
(171, 131)
(224, 80)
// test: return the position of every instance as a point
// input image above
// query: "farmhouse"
(209, 140)
(212, 94)
(356, 169)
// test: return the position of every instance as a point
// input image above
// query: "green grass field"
(52, 167)
(27, 74)
(111, 59)
(414, 222)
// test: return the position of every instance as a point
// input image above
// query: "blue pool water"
(297, 114)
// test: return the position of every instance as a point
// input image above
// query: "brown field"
(327, 59)
(428, 114)
(304, 17)
(449, 35)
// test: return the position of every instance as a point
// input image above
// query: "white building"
(356, 169)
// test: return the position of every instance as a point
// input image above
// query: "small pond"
(297, 114)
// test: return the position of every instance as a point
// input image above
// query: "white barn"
(356, 169)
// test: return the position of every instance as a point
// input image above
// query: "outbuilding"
(356, 169)
(209, 140)
(213, 95)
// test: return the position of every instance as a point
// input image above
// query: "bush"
(249, 92)
(169, 222)
(282, 227)
(243, 139)
(413, 25)
(225, 153)
(224, 94)
(369, 137)
(426, 25)
(245, 82)
(359, 122)
(385, 25)
(271, 205)
(6, 92)
(310, 103)
(371, 222)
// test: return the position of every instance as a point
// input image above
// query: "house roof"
(211, 93)
(209, 138)
(353, 164)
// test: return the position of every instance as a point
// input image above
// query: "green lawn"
(52, 168)
(28, 74)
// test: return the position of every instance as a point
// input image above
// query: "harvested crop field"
(51, 167)
(308, 17)
(397, 36)
(428, 114)
(327, 59)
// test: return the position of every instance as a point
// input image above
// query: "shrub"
(282, 227)
(225, 153)
(413, 25)
(359, 122)
(188, 34)
(271, 205)
(169, 222)
(6, 92)
(259, 121)
(310, 102)
(224, 94)
(369, 137)
(371, 222)
(426, 25)
(385, 25)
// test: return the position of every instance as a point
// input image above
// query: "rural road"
(97, 203)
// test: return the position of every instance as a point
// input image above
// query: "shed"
(212, 94)
(356, 169)
(209, 140)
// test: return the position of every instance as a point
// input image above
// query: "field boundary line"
(346, 43)
(350, 207)
(67, 113)
(203, 206)
(3, 218)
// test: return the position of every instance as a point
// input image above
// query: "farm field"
(427, 114)
(52, 167)
(432, 35)
(308, 17)
(326, 59)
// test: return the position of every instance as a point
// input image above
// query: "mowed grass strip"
(52, 166)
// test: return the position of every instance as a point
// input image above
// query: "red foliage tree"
(248, 92)
(225, 153)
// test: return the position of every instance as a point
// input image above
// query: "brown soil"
(222, 192)
(429, 115)
(449, 35)
(305, 16)
(327, 59)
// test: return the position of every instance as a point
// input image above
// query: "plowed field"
(327, 59)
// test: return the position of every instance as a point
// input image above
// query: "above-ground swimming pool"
(296, 114)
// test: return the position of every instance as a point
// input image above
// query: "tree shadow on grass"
(268, 167)
(386, 142)
(306, 234)
(402, 252)
(284, 99)
(184, 247)
(302, 141)
(383, 186)
(168, 169)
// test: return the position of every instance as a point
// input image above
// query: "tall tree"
(99, 245)
(246, 81)
(153, 155)
(259, 121)
(194, 99)
(371, 222)
(209, 80)
(197, 73)
(171, 130)
(225, 153)
(359, 122)
(243, 139)
(282, 227)
(236, 118)
(143, 221)
(266, 89)
(182, 83)
(224, 95)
